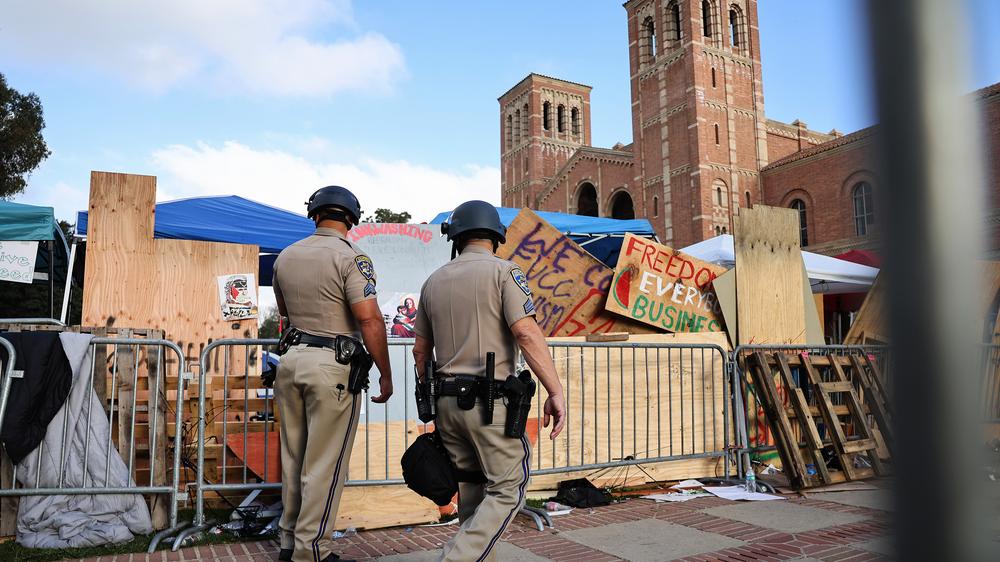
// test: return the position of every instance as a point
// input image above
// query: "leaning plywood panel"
(868, 321)
(769, 292)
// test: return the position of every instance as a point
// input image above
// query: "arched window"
(586, 200)
(719, 199)
(574, 118)
(561, 118)
(716, 133)
(517, 127)
(649, 31)
(800, 206)
(864, 208)
(735, 26)
(508, 132)
(713, 77)
(721, 192)
(656, 206)
(748, 200)
(718, 230)
(674, 31)
(706, 19)
(546, 118)
(724, 230)
(621, 206)
(524, 121)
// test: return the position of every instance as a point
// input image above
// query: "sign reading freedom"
(662, 287)
(568, 285)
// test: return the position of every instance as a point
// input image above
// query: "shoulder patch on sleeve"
(367, 269)
(521, 280)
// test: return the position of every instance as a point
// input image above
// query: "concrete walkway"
(828, 526)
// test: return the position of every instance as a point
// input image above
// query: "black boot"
(334, 558)
(285, 555)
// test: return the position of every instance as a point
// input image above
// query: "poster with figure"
(404, 256)
(238, 296)
(17, 260)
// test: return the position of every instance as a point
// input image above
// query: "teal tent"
(27, 223)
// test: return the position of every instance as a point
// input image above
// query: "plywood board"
(769, 291)
(868, 320)
(569, 286)
(813, 316)
(725, 294)
(374, 507)
(665, 288)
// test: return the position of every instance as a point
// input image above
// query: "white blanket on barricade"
(60, 521)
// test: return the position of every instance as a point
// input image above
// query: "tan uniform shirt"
(467, 307)
(319, 278)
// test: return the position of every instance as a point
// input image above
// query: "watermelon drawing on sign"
(622, 286)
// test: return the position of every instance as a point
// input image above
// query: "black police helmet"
(334, 196)
(474, 215)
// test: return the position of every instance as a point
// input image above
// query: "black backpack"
(581, 493)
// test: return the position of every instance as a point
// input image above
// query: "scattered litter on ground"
(677, 496)
(556, 508)
(737, 493)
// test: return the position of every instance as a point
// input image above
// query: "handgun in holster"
(349, 351)
(290, 337)
(426, 395)
(519, 391)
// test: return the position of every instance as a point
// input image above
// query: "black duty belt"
(464, 385)
(317, 341)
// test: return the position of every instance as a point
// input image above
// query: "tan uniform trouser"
(318, 424)
(484, 510)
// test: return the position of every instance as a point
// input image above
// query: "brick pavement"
(838, 542)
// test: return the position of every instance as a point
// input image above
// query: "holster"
(519, 391)
(350, 351)
(425, 396)
(289, 338)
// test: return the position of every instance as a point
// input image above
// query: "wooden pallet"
(797, 408)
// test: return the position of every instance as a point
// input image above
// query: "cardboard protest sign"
(17, 261)
(665, 288)
(568, 285)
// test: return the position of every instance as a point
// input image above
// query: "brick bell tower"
(543, 121)
(697, 112)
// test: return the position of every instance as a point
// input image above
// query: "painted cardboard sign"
(568, 285)
(17, 261)
(663, 287)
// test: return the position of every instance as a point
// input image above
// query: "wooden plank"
(664, 288)
(159, 508)
(833, 426)
(568, 285)
(769, 292)
(792, 460)
(813, 312)
(804, 417)
(875, 402)
(725, 294)
(860, 445)
(126, 360)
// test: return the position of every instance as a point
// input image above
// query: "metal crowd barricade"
(138, 352)
(753, 433)
(628, 404)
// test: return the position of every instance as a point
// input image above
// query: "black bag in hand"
(428, 471)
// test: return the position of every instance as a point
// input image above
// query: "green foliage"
(388, 215)
(269, 324)
(22, 147)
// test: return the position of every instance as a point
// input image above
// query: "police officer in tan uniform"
(326, 287)
(475, 304)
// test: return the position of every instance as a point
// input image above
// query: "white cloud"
(261, 46)
(286, 180)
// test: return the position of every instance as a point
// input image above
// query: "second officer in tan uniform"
(476, 304)
(326, 287)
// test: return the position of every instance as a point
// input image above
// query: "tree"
(388, 215)
(269, 324)
(22, 147)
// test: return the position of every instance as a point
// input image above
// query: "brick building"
(702, 146)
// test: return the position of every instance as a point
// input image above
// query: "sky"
(394, 99)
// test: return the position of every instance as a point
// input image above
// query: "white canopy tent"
(826, 274)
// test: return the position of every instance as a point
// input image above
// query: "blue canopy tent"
(228, 218)
(602, 237)
(20, 222)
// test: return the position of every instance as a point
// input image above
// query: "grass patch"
(10, 551)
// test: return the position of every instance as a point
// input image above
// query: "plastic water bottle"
(751, 481)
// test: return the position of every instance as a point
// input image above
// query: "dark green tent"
(27, 223)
